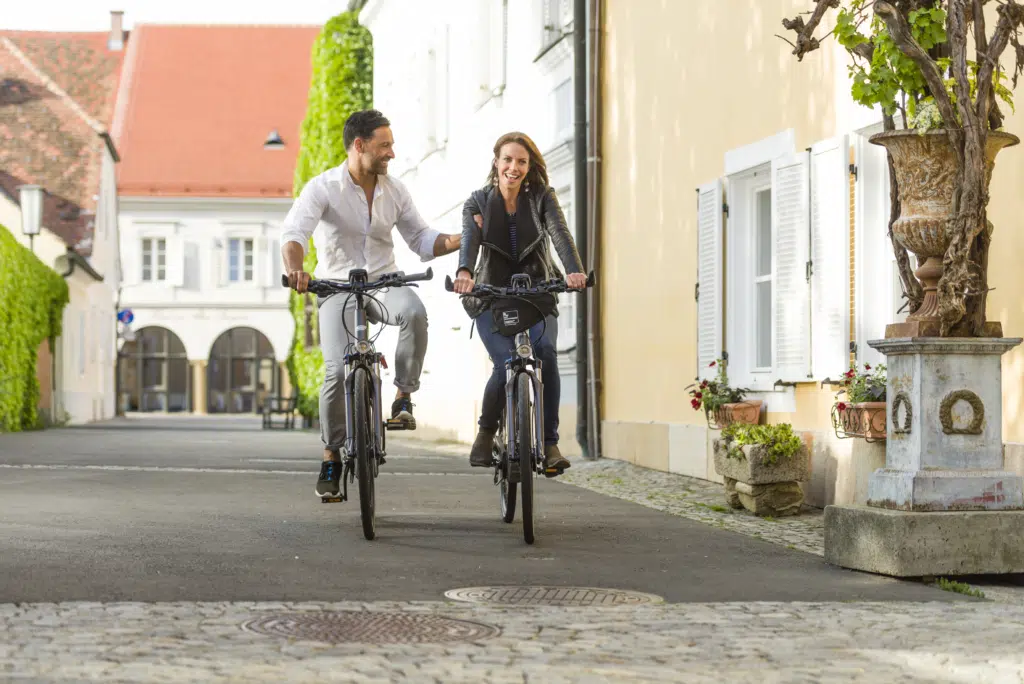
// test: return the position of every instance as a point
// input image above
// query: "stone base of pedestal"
(907, 544)
(946, 490)
(918, 328)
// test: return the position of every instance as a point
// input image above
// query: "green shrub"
(779, 440)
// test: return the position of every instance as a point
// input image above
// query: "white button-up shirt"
(333, 210)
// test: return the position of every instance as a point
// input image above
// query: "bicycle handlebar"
(386, 280)
(546, 287)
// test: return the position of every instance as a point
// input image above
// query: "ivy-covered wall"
(32, 301)
(342, 83)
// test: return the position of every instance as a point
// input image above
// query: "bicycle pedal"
(332, 499)
(553, 472)
(399, 424)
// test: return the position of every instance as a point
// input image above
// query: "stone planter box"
(867, 420)
(760, 487)
(748, 412)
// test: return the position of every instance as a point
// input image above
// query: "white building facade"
(452, 77)
(211, 329)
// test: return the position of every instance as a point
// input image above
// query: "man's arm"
(298, 227)
(421, 238)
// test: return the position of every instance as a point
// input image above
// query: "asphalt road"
(216, 509)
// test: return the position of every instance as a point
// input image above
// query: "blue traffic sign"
(125, 316)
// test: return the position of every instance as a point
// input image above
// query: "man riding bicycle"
(350, 211)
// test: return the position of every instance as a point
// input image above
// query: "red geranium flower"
(704, 384)
(698, 395)
(867, 367)
(695, 404)
(850, 373)
(842, 406)
(712, 364)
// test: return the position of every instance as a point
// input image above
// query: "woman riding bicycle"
(507, 224)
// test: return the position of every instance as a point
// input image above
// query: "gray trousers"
(403, 308)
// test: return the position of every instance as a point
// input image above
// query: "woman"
(507, 224)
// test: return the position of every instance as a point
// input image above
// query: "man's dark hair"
(362, 125)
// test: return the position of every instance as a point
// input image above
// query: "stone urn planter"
(747, 412)
(866, 420)
(762, 486)
(926, 172)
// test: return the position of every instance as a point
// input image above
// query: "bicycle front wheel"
(524, 448)
(365, 458)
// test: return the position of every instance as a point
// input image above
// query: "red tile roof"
(57, 93)
(198, 102)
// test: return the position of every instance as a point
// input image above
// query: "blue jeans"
(500, 349)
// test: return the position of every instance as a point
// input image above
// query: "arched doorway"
(242, 372)
(154, 374)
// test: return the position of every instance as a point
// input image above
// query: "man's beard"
(379, 167)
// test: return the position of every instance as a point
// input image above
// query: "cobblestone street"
(204, 557)
(734, 642)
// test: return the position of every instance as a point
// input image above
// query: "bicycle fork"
(514, 368)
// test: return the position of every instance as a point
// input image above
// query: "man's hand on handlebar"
(298, 281)
(464, 282)
(576, 281)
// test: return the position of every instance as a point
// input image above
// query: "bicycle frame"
(369, 361)
(514, 367)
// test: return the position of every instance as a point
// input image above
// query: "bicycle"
(365, 443)
(523, 443)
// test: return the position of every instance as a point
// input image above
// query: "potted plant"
(913, 59)
(762, 466)
(724, 405)
(859, 410)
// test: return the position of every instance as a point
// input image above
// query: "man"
(350, 212)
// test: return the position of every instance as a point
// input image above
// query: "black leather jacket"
(535, 259)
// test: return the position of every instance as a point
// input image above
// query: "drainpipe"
(580, 204)
(593, 299)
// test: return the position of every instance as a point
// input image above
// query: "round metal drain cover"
(363, 627)
(552, 596)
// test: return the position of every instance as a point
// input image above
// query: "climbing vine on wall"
(32, 301)
(342, 83)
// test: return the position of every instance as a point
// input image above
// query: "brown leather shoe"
(553, 459)
(481, 455)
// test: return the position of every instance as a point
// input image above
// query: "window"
(154, 260)
(240, 260)
(562, 105)
(786, 225)
(763, 279)
(555, 14)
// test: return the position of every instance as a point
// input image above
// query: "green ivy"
(342, 83)
(32, 301)
(780, 440)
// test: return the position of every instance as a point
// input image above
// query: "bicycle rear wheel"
(506, 489)
(524, 448)
(365, 459)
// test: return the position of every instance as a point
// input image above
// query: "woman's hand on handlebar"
(576, 281)
(298, 281)
(464, 282)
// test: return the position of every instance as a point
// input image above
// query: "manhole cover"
(552, 596)
(362, 627)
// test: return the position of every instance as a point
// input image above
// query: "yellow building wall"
(682, 84)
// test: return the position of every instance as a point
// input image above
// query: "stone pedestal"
(944, 448)
(943, 503)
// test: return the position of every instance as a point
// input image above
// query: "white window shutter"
(709, 277)
(131, 261)
(175, 261)
(830, 258)
(792, 306)
(274, 263)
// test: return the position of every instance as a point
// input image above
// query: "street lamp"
(31, 211)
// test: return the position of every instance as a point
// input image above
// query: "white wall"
(442, 77)
(196, 301)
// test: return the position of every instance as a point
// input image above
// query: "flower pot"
(866, 420)
(925, 167)
(763, 488)
(748, 412)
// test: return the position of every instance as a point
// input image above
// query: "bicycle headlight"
(364, 347)
(524, 351)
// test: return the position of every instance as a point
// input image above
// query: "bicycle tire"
(524, 448)
(365, 459)
(506, 490)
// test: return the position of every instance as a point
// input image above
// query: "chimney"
(116, 40)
